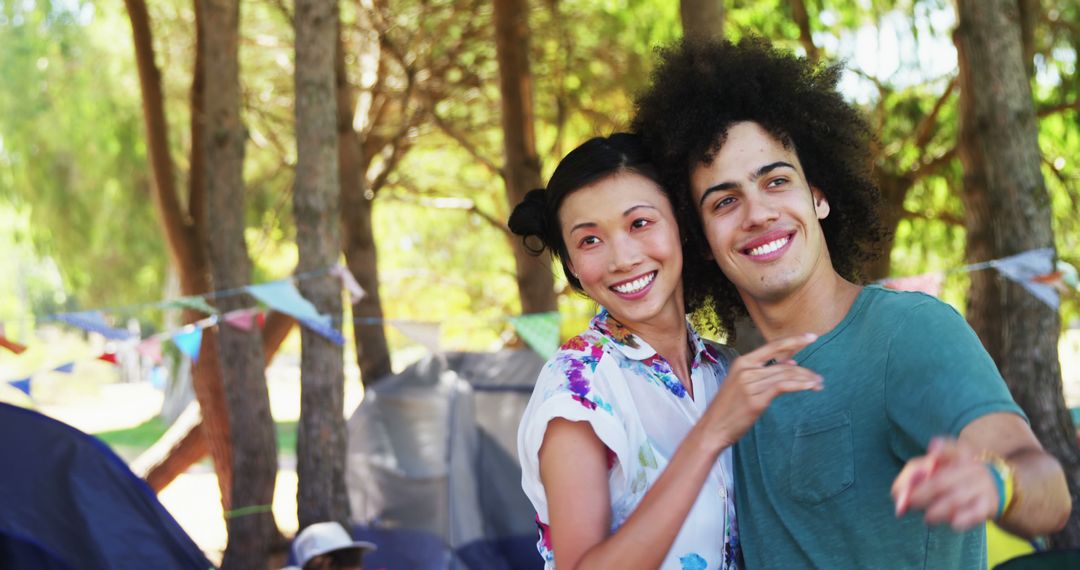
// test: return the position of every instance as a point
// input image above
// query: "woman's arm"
(574, 472)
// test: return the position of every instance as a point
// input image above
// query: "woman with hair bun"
(625, 443)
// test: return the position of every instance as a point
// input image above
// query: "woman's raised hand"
(752, 382)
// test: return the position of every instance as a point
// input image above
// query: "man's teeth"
(635, 285)
(770, 247)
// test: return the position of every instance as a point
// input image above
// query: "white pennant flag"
(425, 334)
(1024, 268)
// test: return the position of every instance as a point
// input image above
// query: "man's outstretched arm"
(952, 484)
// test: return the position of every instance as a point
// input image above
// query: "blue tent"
(67, 502)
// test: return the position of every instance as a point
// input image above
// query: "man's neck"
(816, 307)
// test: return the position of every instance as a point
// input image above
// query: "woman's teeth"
(635, 285)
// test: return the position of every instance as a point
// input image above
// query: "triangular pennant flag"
(425, 334)
(65, 368)
(150, 349)
(189, 341)
(929, 283)
(196, 302)
(21, 385)
(12, 345)
(93, 321)
(326, 331)
(1024, 268)
(348, 281)
(243, 319)
(283, 296)
(109, 357)
(539, 330)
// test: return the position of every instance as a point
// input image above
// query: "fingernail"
(810, 336)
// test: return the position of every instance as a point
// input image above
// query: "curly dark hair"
(700, 89)
(536, 218)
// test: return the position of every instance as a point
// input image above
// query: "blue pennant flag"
(326, 331)
(21, 385)
(282, 296)
(189, 341)
(65, 368)
(93, 321)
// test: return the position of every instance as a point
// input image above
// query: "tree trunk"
(522, 170)
(320, 446)
(1002, 164)
(702, 19)
(184, 443)
(185, 250)
(372, 352)
(251, 525)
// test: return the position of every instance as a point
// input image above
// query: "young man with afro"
(914, 442)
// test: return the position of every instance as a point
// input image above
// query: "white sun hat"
(324, 537)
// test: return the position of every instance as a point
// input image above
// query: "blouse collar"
(634, 347)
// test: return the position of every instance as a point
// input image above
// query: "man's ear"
(821, 203)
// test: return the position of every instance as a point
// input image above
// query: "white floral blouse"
(635, 404)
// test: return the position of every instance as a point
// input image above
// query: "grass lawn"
(133, 441)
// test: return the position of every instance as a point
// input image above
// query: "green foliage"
(71, 151)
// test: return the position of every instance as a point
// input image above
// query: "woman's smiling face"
(623, 244)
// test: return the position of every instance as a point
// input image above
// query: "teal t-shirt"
(814, 473)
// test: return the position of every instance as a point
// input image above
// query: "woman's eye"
(588, 240)
(639, 223)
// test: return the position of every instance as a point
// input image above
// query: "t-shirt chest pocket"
(822, 458)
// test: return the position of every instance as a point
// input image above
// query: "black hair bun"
(529, 220)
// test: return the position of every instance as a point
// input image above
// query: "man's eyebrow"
(733, 185)
(719, 187)
(771, 167)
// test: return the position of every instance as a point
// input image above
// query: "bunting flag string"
(1034, 270)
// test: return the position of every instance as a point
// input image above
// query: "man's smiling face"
(760, 215)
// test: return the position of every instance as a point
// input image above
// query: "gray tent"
(432, 467)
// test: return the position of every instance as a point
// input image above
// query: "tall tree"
(522, 168)
(254, 448)
(702, 19)
(321, 433)
(1009, 211)
(358, 233)
(182, 231)
(183, 224)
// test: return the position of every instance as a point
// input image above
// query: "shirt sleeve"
(553, 399)
(939, 378)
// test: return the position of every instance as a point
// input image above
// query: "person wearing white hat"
(328, 546)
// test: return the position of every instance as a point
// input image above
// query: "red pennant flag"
(109, 357)
(12, 345)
